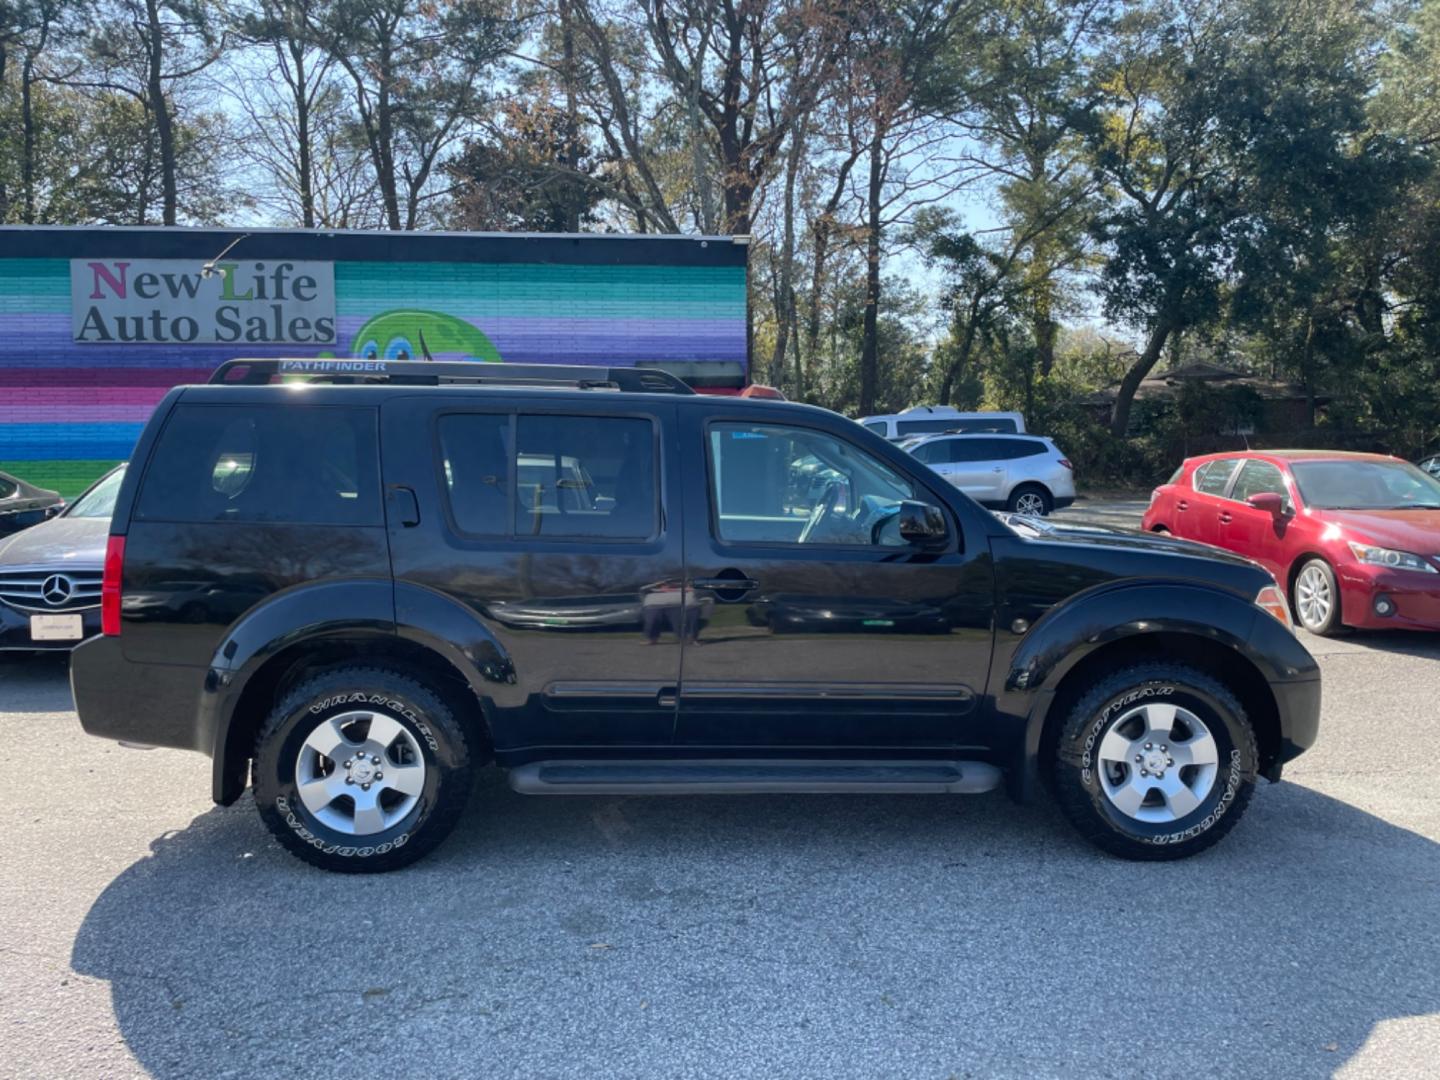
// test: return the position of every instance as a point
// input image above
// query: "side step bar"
(752, 777)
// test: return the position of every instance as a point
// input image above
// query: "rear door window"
(1257, 477)
(1212, 477)
(292, 464)
(558, 477)
(976, 449)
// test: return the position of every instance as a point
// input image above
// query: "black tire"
(1076, 764)
(1047, 501)
(435, 730)
(1332, 624)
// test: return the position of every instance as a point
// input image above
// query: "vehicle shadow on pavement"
(772, 936)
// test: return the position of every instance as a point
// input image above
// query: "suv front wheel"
(1156, 761)
(361, 769)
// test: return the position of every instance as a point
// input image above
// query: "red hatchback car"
(1353, 539)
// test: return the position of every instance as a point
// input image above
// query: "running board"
(751, 777)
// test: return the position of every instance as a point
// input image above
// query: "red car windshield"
(1365, 485)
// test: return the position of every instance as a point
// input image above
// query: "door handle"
(725, 584)
(1182, 505)
(405, 508)
(729, 586)
(1225, 518)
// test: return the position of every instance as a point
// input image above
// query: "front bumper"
(1415, 596)
(15, 629)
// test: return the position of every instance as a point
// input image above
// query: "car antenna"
(209, 269)
(425, 348)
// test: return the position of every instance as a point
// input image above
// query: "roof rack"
(434, 373)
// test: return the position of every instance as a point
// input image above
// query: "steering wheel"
(823, 509)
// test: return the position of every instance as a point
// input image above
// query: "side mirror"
(922, 524)
(1268, 501)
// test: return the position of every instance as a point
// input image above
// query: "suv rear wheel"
(361, 769)
(1031, 500)
(1156, 761)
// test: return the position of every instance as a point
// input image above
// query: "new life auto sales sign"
(169, 301)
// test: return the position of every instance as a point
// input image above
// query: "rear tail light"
(110, 586)
(1066, 462)
(1271, 599)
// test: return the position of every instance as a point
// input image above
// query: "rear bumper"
(153, 704)
(1415, 596)
(15, 630)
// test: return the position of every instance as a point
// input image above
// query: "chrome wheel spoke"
(1199, 749)
(1178, 797)
(369, 818)
(406, 779)
(1159, 722)
(1115, 747)
(329, 741)
(384, 730)
(1128, 796)
(320, 792)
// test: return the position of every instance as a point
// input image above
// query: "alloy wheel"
(1158, 763)
(1313, 597)
(1031, 504)
(360, 773)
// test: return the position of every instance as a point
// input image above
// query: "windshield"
(1365, 485)
(99, 501)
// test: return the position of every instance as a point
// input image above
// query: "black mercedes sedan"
(23, 504)
(50, 573)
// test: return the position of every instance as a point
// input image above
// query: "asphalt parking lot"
(147, 932)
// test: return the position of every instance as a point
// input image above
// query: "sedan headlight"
(1395, 560)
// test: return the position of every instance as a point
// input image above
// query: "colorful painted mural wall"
(97, 324)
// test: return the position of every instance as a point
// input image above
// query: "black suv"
(358, 586)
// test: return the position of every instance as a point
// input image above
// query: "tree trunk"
(1125, 396)
(785, 291)
(962, 356)
(27, 153)
(304, 161)
(870, 343)
(385, 144)
(1045, 329)
(160, 109)
(570, 155)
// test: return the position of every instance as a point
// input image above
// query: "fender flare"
(1073, 631)
(354, 608)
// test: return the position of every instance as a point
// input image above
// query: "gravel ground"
(146, 931)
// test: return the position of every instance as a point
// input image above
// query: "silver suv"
(1025, 474)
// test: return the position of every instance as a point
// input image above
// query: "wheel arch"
(415, 631)
(1210, 629)
(1221, 662)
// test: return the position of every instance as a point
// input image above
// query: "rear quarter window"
(1212, 477)
(287, 464)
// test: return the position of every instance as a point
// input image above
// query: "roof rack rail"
(243, 372)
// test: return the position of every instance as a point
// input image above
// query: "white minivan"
(933, 419)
